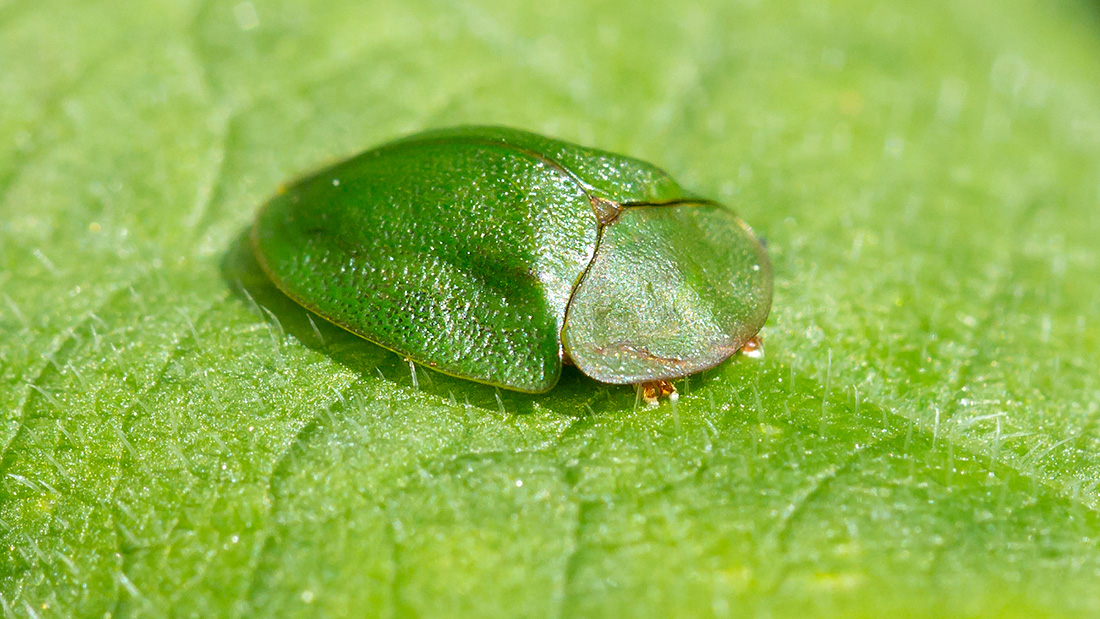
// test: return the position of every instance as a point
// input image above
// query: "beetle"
(498, 255)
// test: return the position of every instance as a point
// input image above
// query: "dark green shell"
(494, 254)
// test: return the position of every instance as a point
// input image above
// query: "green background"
(921, 439)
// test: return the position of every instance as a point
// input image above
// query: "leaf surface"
(178, 439)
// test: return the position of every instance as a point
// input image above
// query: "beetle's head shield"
(673, 290)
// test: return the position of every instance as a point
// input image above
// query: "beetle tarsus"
(754, 348)
(652, 391)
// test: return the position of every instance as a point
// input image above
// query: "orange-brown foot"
(654, 390)
(754, 348)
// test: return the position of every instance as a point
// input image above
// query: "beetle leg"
(754, 348)
(652, 391)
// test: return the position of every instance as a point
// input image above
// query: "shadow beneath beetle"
(575, 394)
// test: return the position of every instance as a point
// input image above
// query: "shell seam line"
(576, 287)
(673, 202)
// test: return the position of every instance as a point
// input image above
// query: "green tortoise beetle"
(497, 255)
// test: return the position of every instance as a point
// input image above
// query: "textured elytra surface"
(462, 248)
(458, 253)
(920, 439)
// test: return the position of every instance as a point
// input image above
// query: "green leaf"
(922, 438)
